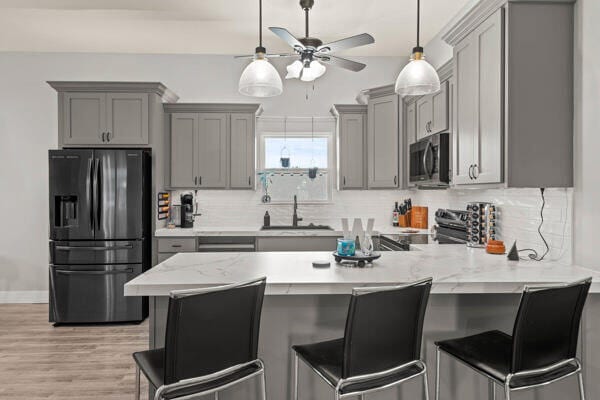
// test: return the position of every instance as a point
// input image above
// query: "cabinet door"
(212, 150)
(439, 110)
(424, 116)
(352, 151)
(383, 142)
(242, 151)
(465, 109)
(488, 140)
(84, 118)
(411, 123)
(127, 118)
(184, 150)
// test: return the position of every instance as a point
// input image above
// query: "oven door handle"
(428, 148)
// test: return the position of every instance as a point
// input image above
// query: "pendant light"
(260, 78)
(418, 77)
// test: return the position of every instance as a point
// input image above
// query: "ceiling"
(211, 26)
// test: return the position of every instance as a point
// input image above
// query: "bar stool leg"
(507, 392)
(425, 384)
(137, 382)
(581, 388)
(295, 375)
(491, 390)
(263, 383)
(361, 397)
(216, 395)
(437, 373)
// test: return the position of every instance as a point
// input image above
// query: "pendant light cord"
(260, 23)
(306, 10)
(418, 22)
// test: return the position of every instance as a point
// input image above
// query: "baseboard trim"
(24, 296)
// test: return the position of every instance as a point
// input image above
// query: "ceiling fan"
(313, 53)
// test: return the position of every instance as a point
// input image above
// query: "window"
(304, 150)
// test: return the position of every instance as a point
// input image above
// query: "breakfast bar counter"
(472, 292)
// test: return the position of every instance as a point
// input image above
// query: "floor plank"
(39, 361)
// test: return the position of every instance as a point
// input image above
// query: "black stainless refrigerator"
(100, 237)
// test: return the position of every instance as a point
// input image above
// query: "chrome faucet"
(295, 218)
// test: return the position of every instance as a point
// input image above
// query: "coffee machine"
(187, 210)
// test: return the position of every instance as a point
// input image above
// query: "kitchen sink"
(297, 228)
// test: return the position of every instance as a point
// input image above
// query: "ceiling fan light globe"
(293, 70)
(417, 78)
(260, 79)
(318, 67)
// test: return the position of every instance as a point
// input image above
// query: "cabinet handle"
(395, 180)
(108, 136)
(249, 181)
(200, 180)
(470, 169)
(344, 181)
(475, 168)
(427, 127)
(195, 180)
(176, 245)
(103, 140)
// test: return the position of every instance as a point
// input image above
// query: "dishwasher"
(208, 244)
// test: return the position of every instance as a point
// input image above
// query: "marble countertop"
(454, 268)
(256, 231)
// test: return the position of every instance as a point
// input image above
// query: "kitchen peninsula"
(472, 292)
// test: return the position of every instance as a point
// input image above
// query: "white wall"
(587, 136)
(28, 127)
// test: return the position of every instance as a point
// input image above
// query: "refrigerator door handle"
(93, 272)
(95, 248)
(90, 191)
(97, 195)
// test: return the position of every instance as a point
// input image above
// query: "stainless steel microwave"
(430, 161)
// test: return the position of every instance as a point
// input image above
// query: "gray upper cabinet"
(84, 118)
(512, 97)
(242, 162)
(432, 112)
(212, 150)
(109, 113)
(411, 123)
(212, 145)
(127, 118)
(184, 154)
(383, 142)
(352, 136)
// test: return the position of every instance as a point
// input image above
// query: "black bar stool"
(211, 342)
(542, 349)
(381, 346)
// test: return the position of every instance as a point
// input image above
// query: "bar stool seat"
(151, 363)
(491, 354)
(327, 359)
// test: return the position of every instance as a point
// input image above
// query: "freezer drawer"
(96, 252)
(94, 293)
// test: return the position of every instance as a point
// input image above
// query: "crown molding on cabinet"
(253, 108)
(480, 13)
(158, 88)
(348, 108)
(380, 91)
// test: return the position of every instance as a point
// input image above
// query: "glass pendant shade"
(260, 79)
(294, 70)
(417, 78)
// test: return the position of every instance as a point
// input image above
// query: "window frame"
(331, 162)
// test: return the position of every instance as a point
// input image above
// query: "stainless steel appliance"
(187, 210)
(451, 226)
(429, 161)
(481, 224)
(100, 220)
(399, 241)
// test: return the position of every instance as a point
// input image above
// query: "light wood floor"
(38, 361)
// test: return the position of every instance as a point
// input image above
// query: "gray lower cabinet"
(383, 142)
(352, 138)
(306, 243)
(168, 247)
(212, 145)
(241, 164)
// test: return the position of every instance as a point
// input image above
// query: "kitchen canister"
(346, 247)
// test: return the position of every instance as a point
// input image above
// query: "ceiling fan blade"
(347, 43)
(341, 62)
(245, 56)
(287, 37)
(281, 55)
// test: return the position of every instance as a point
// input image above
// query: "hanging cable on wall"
(534, 255)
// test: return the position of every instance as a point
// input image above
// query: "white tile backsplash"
(518, 211)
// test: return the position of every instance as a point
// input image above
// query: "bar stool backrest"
(547, 325)
(212, 329)
(384, 327)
